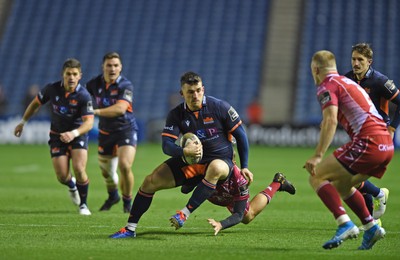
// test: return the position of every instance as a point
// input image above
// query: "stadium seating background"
(157, 39)
(223, 40)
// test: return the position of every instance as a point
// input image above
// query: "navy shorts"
(58, 148)
(186, 174)
(109, 142)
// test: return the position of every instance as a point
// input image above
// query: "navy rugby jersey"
(67, 109)
(380, 89)
(212, 124)
(107, 95)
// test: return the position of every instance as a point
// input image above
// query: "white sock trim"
(186, 211)
(342, 219)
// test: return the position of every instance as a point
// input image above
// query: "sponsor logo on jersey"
(73, 102)
(187, 122)
(128, 95)
(385, 147)
(169, 128)
(390, 86)
(201, 134)
(89, 106)
(106, 102)
(208, 120)
(233, 114)
(63, 110)
(324, 98)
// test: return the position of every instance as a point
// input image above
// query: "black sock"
(202, 192)
(83, 191)
(140, 205)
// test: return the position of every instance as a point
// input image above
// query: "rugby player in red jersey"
(370, 150)
(233, 193)
(71, 118)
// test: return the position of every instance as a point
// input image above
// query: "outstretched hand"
(217, 225)
(18, 130)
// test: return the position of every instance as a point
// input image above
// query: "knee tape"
(110, 166)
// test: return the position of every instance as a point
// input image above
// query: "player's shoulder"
(81, 90)
(211, 101)
(94, 81)
(123, 81)
(377, 76)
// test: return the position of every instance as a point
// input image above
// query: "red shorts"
(369, 155)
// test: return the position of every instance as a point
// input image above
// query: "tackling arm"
(234, 219)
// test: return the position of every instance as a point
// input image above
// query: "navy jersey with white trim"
(213, 124)
(67, 109)
(380, 89)
(105, 96)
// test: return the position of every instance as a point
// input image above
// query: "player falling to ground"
(381, 90)
(214, 121)
(233, 193)
(117, 140)
(71, 119)
(367, 154)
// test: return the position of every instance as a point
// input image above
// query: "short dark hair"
(72, 63)
(112, 55)
(364, 49)
(191, 78)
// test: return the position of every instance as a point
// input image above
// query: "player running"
(71, 119)
(117, 140)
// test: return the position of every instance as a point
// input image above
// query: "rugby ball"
(187, 139)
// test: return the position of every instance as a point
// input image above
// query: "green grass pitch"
(38, 220)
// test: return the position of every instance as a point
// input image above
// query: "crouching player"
(233, 193)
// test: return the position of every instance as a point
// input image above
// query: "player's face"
(193, 95)
(71, 78)
(112, 69)
(360, 64)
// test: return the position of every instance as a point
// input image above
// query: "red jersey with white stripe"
(356, 112)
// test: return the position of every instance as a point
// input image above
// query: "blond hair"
(324, 60)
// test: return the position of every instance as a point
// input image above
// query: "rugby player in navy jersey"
(214, 122)
(117, 140)
(381, 90)
(71, 118)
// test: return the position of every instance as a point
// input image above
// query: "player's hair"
(364, 49)
(324, 60)
(112, 55)
(72, 63)
(190, 78)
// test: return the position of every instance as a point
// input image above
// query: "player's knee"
(112, 179)
(217, 169)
